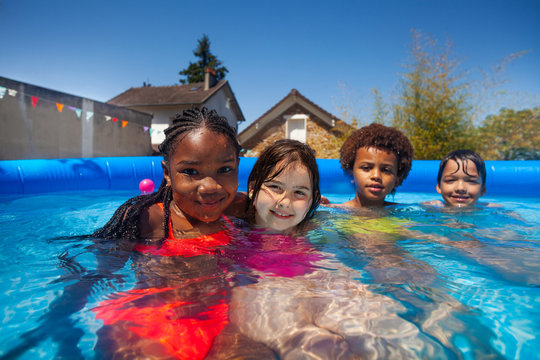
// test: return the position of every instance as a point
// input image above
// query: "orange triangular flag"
(34, 101)
(59, 107)
(124, 123)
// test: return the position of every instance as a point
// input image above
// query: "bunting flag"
(78, 111)
(152, 131)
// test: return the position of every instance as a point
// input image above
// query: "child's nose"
(208, 185)
(460, 186)
(285, 200)
(375, 173)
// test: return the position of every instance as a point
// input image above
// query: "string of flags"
(78, 111)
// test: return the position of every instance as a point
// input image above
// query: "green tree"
(433, 107)
(511, 135)
(380, 108)
(194, 73)
(347, 106)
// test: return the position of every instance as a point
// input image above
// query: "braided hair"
(125, 222)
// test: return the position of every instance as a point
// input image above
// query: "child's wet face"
(203, 174)
(375, 175)
(459, 188)
(283, 202)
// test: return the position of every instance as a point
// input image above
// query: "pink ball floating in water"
(146, 186)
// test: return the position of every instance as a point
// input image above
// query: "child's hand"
(324, 200)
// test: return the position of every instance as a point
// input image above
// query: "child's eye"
(225, 169)
(387, 170)
(300, 194)
(190, 172)
(275, 188)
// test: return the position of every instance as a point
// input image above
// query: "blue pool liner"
(125, 173)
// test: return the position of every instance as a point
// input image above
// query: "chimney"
(209, 78)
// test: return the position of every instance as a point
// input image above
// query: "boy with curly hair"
(379, 159)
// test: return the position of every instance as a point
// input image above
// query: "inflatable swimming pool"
(125, 173)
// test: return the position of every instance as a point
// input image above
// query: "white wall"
(223, 105)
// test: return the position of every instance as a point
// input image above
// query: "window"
(295, 127)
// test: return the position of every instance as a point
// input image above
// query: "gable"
(293, 103)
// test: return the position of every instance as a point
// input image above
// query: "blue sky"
(330, 51)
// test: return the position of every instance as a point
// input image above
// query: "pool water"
(404, 282)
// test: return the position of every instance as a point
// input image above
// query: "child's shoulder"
(238, 206)
(151, 222)
(353, 204)
(490, 205)
(436, 203)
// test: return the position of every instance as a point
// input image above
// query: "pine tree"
(194, 73)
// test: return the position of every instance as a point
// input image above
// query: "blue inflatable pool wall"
(125, 173)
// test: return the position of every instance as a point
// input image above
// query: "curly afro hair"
(380, 137)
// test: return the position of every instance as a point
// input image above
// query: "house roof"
(188, 94)
(290, 99)
(166, 95)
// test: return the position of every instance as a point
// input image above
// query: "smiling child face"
(283, 202)
(203, 174)
(375, 175)
(458, 187)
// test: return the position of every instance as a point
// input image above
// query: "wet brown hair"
(283, 152)
(464, 155)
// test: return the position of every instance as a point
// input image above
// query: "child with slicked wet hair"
(461, 180)
(379, 159)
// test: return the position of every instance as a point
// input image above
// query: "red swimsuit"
(184, 337)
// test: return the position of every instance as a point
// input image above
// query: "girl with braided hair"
(200, 170)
